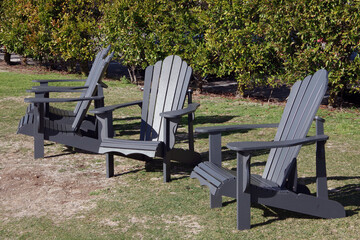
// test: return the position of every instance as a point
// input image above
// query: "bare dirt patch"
(57, 187)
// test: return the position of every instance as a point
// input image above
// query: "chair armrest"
(178, 113)
(49, 100)
(49, 89)
(228, 128)
(253, 146)
(114, 107)
(102, 84)
(60, 80)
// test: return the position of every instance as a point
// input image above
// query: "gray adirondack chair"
(165, 88)
(77, 129)
(278, 186)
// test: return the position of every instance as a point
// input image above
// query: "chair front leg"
(106, 130)
(242, 190)
(39, 130)
(215, 158)
(166, 160)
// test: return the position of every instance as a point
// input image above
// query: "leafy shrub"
(236, 45)
(257, 42)
(310, 34)
(145, 31)
(52, 30)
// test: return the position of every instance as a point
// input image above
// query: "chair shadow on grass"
(348, 195)
(133, 128)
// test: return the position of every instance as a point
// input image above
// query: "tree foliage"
(145, 31)
(312, 34)
(51, 30)
(257, 42)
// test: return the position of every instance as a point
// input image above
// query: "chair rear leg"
(166, 169)
(109, 165)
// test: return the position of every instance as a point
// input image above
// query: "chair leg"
(39, 131)
(215, 201)
(243, 211)
(166, 169)
(242, 195)
(109, 165)
(38, 145)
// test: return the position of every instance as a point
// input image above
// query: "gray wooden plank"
(289, 127)
(177, 98)
(150, 108)
(305, 116)
(96, 64)
(301, 125)
(146, 99)
(161, 96)
(171, 90)
(284, 118)
(209, 177)
(130, 145)
(185, 87)
(288, 123)
(216, 171)
(90, 92)
(22, 121)
(26, 118)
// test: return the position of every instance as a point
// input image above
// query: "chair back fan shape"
(303, 102)
(90, 79)
(96, 76)
(165, 89)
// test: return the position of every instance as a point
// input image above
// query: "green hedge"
(145, 31)
(258, 42)
(51, 30)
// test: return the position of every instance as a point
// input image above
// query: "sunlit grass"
(137, 205)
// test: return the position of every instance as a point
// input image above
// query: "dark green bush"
(51, 30)
(258, 42)
(309, 35)
(145, 31)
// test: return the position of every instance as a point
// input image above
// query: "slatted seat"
(278, 186)
(222, 181)
(218, 179)
(61, 112)
(165, 88)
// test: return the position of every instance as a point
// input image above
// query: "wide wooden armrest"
(49, 100)
(59, 80)
(228, 128)
(178, 113)
(114, 107)
(48, 89)
(253, 146)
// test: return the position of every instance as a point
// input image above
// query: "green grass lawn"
(66, 195)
